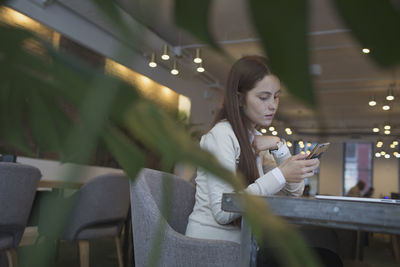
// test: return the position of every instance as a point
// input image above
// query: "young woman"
(251, 100)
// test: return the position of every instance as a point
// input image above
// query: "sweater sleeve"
(225, 147)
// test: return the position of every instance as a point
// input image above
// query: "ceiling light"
(308, 144)
(197, 58)
(289, 144)
(274, 133)
(200, 68)
(377, 154)
(387, 131)
(165, 55)
(390, 95)
(372, 101)
(174, 70)
(308, 152)
(387, 156)
(375, 130)
(397, 155)
(366, 50)
(271, 128)
(379, 144)
(387, 126)
(392, 146)
(263, 130)
(152, 63)
(383, 153)
(395, 142)
(386, 106)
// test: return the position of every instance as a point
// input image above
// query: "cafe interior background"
(359, 102)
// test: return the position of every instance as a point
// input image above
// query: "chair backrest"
(18, 184)
(103, 200)
(146, 204)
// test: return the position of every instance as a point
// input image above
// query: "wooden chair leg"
(83, 253)
(119, 251)
(396, 246)
(12, 257)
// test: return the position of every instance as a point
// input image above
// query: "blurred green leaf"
(129, 157)
(376, 25)
(282, 28)
(193, 16)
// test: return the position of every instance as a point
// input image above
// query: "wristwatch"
(280, 143)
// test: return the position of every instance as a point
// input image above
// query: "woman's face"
(262, 101)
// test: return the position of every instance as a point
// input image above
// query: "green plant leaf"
(282, 28)
(193, 16)
(376, 25)
(129, 157)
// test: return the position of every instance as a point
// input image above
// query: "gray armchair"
(176, 248)
(18, 185)
(98, 210)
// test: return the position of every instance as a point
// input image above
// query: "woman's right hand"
(297, 167)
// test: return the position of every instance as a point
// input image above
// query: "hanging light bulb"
(174, 70)
(387, 126)
(375, 130)
(274, 133)
(379, 144)
(165, 55)
(263, 130)
(377, 154)
(197, 59)
(366, 50)
(152, 63)
(390, 95)
(383, 153)
(395, 142)
(372, 101)
(387, 131)
(386, 106)
(387, 156)
(289, 144)
(392, 146)
(271, 128)
(200, 67)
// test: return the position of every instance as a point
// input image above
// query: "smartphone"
(318, 150)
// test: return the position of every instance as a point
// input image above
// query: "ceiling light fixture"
(377, 154)
(392, 146)
(387, 156)
(395, 142)
(152, 63)
(263, 130)
(387, 126)
(390, 95)
(274, 133)
(271, 128)
(366, 50)
(375, 130)
(383, 153)
(200, 67)
(174, 70)
(387, 131)
(289, 144)
(165, 55)
(386, 106)
(197, 59)
(379, 144)
(372, 102)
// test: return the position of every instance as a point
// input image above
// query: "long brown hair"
(244, 75)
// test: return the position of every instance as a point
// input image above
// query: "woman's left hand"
(265, 142)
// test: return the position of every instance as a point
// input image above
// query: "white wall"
(385, 176)
(331, 170)
(385, 173)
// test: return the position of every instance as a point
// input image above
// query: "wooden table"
(352, 215)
